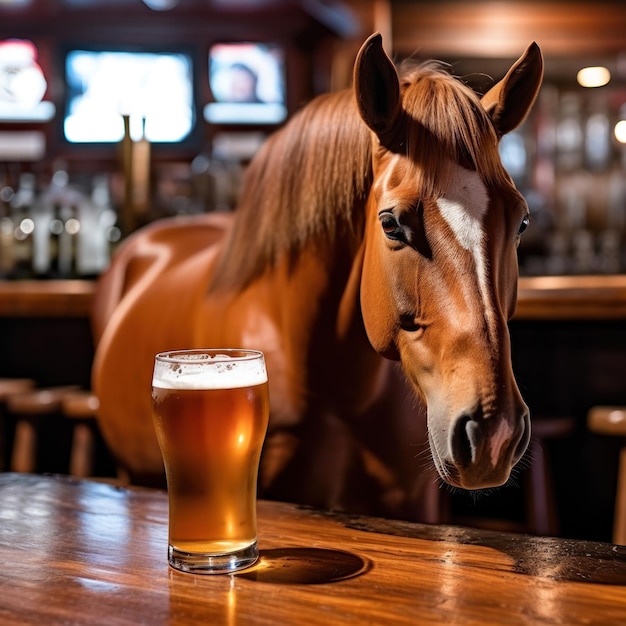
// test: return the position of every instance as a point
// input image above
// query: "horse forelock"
(446, 124)
(306, 181)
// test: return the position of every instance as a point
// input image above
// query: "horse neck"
(338, 347)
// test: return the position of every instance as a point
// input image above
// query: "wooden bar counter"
(540, 298)
(571, 298)
(46, 298)
(81, 552)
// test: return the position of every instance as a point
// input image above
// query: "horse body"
(326, 383)
(371, 229)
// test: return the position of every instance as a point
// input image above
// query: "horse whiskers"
(425, 463)
(522, 465)
(440, 465)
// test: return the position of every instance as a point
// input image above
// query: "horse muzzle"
(475, 452)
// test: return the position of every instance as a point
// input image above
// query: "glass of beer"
(210, 411)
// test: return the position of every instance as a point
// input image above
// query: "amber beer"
(210, 410)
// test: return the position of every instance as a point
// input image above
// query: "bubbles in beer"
(190, 371)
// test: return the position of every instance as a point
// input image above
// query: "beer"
(210, 415)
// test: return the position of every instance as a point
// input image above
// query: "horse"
(373, 258)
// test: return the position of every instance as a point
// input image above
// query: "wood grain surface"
(81, 552)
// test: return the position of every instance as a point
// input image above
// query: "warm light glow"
(72, 226)
(593, 76)
(620, 131)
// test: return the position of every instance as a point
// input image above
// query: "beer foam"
(223, 373)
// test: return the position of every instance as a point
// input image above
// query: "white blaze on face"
(464, 207)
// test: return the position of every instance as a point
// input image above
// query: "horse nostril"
(462, 445)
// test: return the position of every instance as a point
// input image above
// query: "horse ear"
(377, 90)
(509, 101)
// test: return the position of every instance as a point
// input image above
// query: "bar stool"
(611, 420)
(9, 387)
(81, 407)
(37, 413)
(541, 510)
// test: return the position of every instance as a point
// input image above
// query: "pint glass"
(210, 411)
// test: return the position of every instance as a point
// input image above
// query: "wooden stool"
(541, 510)
(82, 408)
(9, 387)
(611, 420)
(29, 409)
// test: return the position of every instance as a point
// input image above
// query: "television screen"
(248, 84)
(155, 89)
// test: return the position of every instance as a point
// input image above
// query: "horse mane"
(304, 182)
(309, 176)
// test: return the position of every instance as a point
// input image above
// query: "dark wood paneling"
(492, 29)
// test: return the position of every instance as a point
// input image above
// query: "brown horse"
(377, 226)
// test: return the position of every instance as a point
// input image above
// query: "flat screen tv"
(247, 81)
(155, 89)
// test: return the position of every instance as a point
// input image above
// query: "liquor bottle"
(21, 214)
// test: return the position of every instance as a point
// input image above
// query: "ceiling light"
(620, 131)
(593, 76)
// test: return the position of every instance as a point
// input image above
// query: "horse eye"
(524, 225)
(390, 227)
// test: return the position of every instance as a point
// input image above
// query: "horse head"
(439, 274)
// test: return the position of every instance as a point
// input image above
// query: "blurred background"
(114, 113)
(197, 84)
